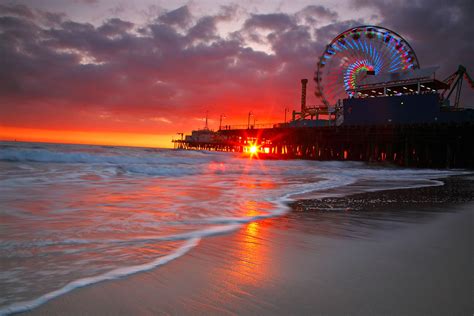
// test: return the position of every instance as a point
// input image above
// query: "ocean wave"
(160, 164)
(44, 155)
(111, 275)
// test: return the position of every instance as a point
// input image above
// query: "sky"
(137, 72)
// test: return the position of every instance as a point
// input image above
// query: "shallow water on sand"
(74, 215)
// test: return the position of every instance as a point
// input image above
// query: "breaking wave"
(111, 275)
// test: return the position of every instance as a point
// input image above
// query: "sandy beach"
(399, 252)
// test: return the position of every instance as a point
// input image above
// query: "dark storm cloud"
(16, 10)
(204, 29)
(55, 71)
(88, 1)
(313, 14)
(440, 31)
(276, 21)
(115, 26)
(22, 11)
(175, 66)
(181, 17)
(327, 33)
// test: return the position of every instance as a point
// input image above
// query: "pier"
(417, 145)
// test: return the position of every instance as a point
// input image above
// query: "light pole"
(286, 111)
(248, 119)
(220, 121)
(206, 127)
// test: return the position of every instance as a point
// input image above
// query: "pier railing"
(253, 126)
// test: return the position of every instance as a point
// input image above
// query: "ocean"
(75, 215)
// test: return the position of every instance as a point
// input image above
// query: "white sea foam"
(111, 275)
(207, 232)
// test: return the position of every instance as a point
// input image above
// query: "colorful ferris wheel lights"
(356, 53)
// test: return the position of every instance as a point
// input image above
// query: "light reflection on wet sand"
(339, 262)
(279, 267)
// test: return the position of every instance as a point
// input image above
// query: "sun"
(253, 149)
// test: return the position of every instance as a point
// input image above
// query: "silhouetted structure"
(385, 110)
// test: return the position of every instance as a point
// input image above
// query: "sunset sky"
(136, 72)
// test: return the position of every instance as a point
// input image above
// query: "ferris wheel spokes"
(354, 54)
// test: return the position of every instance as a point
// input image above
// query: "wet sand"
(399, 252)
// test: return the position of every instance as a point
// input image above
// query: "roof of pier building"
(413, 81)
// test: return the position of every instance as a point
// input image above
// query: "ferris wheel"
(357, 53)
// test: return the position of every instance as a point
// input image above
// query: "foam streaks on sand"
(111, 275)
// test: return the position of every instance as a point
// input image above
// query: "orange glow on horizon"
(84, 137)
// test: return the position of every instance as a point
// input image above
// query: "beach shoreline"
(406, 251)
